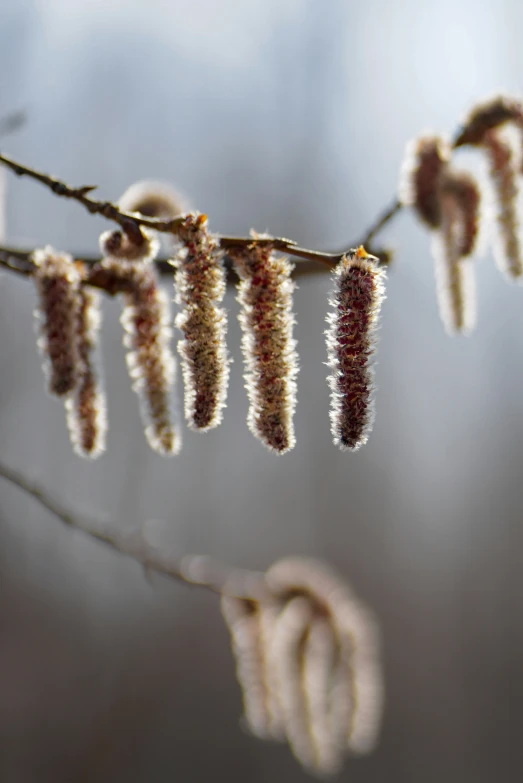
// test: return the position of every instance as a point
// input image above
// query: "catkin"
(487, 116)
(452, 246)
(426, 159)
(146, 320)
(58, 286)
(250, 626)
(322, 657)
(351, 337)
(152, 199)
(200, 283)
(86, 406)
(355, 700)
(504, 179)
(266, 318)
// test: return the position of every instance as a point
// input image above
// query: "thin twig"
(132, 223)
(198, 570)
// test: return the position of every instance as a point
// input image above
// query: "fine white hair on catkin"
(146, 319)
(200, 283)
(86, 405)
(359, 290)
(58, 283)
(265, 294)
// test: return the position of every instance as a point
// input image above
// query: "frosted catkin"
(504, 179)
(57, 282)
(266, 317)
(86, 406)
(200, 283)
(146, 320)
(351, 340)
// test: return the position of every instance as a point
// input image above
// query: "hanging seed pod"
(146, 320)
(266, 318)
(351, 338)
(425, 162)
(86, 406)
(452, 246)
(504, 179)
(200, 283)
(58, 286)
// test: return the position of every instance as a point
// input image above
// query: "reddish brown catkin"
(86, 406)
(351, 337)
(200, 284)
(58, 285)
(146, 320)
(452, 246)
(504, 178)
(266, 318)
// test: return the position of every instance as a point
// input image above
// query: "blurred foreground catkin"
(269, 349)
(308, 664)
(250, 630)
(86, 406)
(358, 294)
(58, 285)
(146, 320)
(200, 283)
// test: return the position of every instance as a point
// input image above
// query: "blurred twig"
(199, 570)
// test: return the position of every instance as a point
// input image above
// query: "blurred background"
(289, 116)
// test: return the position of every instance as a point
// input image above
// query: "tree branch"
(132, 223)
(196, 570)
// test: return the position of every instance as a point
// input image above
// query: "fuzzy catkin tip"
(200, 284)
(266, 317)
(351, 338)
(504, 179)
(146, 320)
(425, 161)
(86, 406)
(58, 286)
